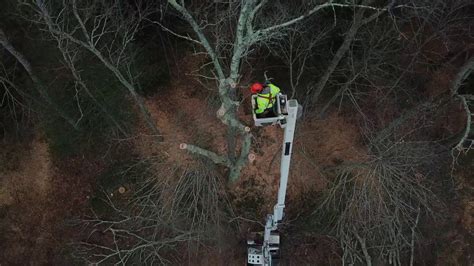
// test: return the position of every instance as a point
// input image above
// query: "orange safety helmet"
(256, 87)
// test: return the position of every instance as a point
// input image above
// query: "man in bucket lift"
(266, 98)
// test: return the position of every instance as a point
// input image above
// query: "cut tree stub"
(251, 157)
(183, 146)
(220, 112)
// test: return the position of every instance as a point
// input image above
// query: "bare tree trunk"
(228, 111)
(350, 36)
(245, 37)
(38, 84)
(242, 160)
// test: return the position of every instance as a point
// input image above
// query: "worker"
(266, 98)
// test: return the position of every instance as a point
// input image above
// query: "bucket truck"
(264, 250)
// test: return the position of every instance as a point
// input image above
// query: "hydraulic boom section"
(266, 251)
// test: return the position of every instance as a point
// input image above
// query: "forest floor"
(36, 198)
(41, 193)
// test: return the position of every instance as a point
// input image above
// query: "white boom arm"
(285, 159)
(271, 239)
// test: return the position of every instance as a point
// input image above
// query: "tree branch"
(38, 84)
(239, 44)
(368, 259)
(252, 17)
(214, 157)
(350, 36)
(54, 29)
(203, 40)
(173, 32)
(465, 71)
(315, 9)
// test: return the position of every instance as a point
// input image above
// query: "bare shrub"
(171, 207)
(378, 204)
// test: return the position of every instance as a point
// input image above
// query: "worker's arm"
(274, 89)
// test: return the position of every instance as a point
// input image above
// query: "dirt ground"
(36, 200)
(26, 191)
(182, 116)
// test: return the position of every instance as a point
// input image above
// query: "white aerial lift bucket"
(281, 111)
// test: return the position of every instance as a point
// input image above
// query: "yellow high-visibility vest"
(267, 98)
